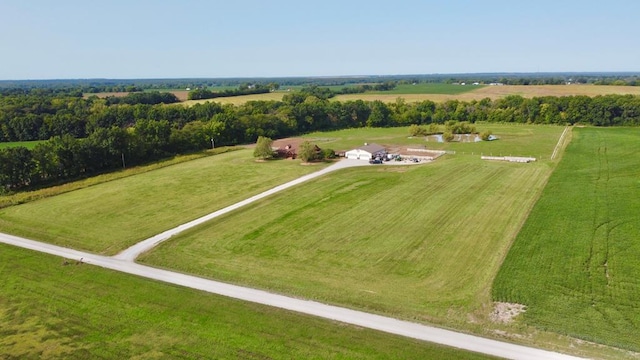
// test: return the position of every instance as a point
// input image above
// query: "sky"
(127, 39)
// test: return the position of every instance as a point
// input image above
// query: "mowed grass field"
(419, 242)
(27, 144)
(575, 262)
(52, 311)
(111, 216)
(514, 139)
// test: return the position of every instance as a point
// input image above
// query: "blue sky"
(44, 39)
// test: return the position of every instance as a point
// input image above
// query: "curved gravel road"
(134, 251)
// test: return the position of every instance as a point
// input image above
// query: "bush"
(485, 135)
(417, 130)
(447, 136)
(328, 154)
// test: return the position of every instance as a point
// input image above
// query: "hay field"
(497, 92)
(238, 100)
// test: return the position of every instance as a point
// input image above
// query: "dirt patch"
(103, 95)
(182, 95)
(293, 141)
(505, 312)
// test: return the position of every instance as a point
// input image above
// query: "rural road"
(124, 262)
(134, 251)
(358, 318)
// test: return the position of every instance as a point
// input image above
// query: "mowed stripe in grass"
(575, 262)
(111, 216)
(52, 311)
(421, 242)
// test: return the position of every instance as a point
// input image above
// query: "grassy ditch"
(51, 311)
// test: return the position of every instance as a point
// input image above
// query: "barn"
(366, 152)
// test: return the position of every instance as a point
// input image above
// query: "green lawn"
(575, 262)
(430, 88)
(52, 311)
(421, 242)
(27, 144)
(517, 140)
(111, 216)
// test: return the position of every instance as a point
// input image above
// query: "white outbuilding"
(366, 152)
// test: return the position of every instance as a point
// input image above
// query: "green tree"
(307, 152)
(263, 148)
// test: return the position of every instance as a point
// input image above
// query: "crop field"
(430, 88)
(27, 144)
(52, 311)
(443, 92)
(238, 100)
(421, 242)
(575, 262)
(496, 92)
(111, 216)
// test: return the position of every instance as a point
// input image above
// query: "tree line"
(203, 93)
(89, 136)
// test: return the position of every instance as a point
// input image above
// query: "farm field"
(238, 100)
(444, 92)
(419, 242)
(49, 310)
(497, 92)
(430, 88)
(27, 196)
(575, 262)
(111, 216)
(27, 144)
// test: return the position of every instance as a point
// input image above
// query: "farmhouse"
(288, 148)
(366, 152)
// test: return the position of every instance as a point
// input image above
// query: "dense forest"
(91, 135)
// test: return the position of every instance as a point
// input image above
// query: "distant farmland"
(444, 92)
(497, 92)
(575, 262)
